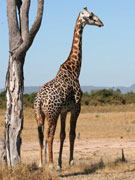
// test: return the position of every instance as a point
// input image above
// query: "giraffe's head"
(89, 18)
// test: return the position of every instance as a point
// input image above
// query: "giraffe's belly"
(68, 106)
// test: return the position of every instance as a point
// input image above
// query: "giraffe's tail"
(40, 135)
(46, 151)
(40, 117)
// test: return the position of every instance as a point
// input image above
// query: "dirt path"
(90, 151)
(83, 149)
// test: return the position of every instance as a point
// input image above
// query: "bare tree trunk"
(14, 113)
(20, 40)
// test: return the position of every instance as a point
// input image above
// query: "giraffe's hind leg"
(62, 138)
(40, 117)
(72, 134)
(52, 122)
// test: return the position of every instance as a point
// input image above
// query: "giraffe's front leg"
(72, 134)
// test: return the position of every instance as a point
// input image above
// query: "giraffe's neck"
(73, 63)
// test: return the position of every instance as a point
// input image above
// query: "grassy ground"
(104, 130)
(94, 122)
(95, 171)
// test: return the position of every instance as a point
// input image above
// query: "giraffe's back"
(58, 95)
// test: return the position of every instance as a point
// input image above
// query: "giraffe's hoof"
(71, 163)
(51, 166)
(59, 168)
(40, 166)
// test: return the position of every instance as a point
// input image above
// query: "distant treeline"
(107, 96)
(96, 97)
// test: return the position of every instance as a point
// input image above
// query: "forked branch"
(29, 36)
(37, 22)
(14, 33)
(25, 18)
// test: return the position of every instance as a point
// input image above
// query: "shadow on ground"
(89, 169)
(86, 170)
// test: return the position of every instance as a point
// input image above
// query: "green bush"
(106, 96)
(28, 99)
(3, 99)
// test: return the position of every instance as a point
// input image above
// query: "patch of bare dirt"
(89, 151)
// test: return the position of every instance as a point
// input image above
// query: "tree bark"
(20, 40)
(14, 113)
(3, 151)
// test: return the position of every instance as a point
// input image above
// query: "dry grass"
(112, 122)
(86, 170)
(27, 172)
(108, 108)
(96, 124)
(99, 124)
(99, 170)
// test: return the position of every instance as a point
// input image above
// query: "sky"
(108, 57)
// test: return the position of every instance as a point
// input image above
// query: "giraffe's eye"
(91, 17)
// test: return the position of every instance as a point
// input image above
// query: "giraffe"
(63, 94)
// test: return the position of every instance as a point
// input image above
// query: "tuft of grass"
(94, 167)
(97, 116)
(26, 172)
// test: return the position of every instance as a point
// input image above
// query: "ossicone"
(85, 9)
